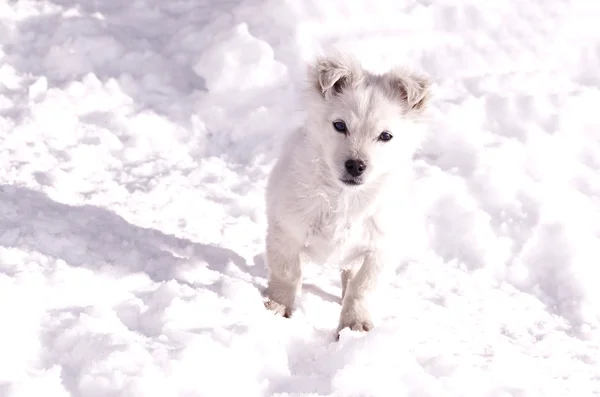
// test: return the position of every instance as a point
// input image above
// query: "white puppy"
(335, 194)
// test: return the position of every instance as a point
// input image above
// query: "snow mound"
(136, 138)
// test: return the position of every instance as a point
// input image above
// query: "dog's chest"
(335, 233)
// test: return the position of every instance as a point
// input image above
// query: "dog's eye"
(340, 126)
(385, 136)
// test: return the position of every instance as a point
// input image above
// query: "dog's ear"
(414, 89)
(333, 74)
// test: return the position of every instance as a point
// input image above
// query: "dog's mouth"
(351, 182)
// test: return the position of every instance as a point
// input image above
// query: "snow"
(135, 141)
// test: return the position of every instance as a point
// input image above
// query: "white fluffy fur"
(313, 215)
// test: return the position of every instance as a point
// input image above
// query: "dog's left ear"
(414, 89)
(333, 74)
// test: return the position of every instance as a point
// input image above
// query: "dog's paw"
(277, 308)
(365, 325)
(361, 326)
(354, 316)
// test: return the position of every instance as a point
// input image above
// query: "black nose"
(355, 167)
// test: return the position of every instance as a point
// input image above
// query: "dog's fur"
(312, 213)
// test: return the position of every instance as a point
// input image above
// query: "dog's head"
(364, 122)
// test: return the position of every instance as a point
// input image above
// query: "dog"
(335, 192)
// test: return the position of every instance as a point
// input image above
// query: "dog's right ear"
(332, 75)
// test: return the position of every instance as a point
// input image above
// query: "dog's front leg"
(285, 271)
(346, 276)
(358, 285)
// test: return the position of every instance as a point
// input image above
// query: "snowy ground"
(135, 139)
